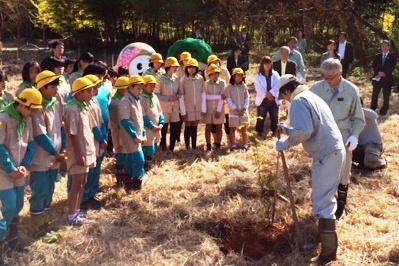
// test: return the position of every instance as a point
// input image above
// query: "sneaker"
(76, 221)
(81, 213)
(208, 147)
(233, 148)
(244, 148)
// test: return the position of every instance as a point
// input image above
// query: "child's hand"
(60, 157)
(223, 97)
(17, 174)
(157, 128)
(80, 160)
(103, 145)
(184, 117)
(217, 115)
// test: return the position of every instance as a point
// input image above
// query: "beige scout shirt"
(153, 114)
(238, 98)
(214, 90)
(165, 88)
(78, 123)
(193, 90)
(224, 74)
(62, 93)
(46, 121)
(96, 120)
(116, 127)
(130, 108)
(16, 148)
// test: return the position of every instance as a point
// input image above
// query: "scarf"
(2, 102)
(82, 106)
(170, 79)
(117, 95)
(10, 110)
(149, 96)
(49, 103)
(27, 85)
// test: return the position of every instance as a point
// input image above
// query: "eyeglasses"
(329, 78)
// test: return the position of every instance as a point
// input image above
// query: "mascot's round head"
(198, 49)
(135, 57)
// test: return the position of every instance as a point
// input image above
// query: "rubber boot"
(329, 241)
(341, 200)
(128, 182)
(40, 223)
(13, 237)
(137, 184)
(119, 175)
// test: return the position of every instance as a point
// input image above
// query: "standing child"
(80, 146)
(47, 127)
(69, 63)
(192, 102)
(89, 200)
(181, 72)
(215, 96)
(153, 118)
(133, 133)
(5, 97)
(29, 73)
(17, 150)
(80, 65)
(155, 68)
(238, 99)
(168, 92)
(121, 85)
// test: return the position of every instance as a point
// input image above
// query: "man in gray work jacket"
(313, 125)
(343, 98)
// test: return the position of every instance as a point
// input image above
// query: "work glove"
(285, 129)
(280, 145)
(351, 143)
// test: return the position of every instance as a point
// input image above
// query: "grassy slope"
(194, 204)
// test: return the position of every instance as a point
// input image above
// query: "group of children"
(62, 118)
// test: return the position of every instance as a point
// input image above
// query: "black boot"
(329, 241)
(194, 137)
(13, 237)
(119, 175)
(187, 135)
(341, 200)
(3, 251)
(128, 182)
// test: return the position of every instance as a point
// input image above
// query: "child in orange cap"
(155, 68)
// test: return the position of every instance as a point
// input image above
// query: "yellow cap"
(238, 71)
(121, 83)
(81, 84)
(150, 79)
(192, 63)
(185, 56)
(94, 79)
(31, 98)
(45, 77)
(156, 58)
(171, 61)
(136, 79)
(212, 58)
(212, 69)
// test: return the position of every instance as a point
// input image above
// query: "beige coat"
(130, 108)
(237, 98)
(115, 126)
(96, 120)
(193, 90)
(16, 148)
(214, 90)
(153, 114)
(46, 121)
(164, 89)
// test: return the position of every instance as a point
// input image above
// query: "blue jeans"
(42, 185)
(93, 180)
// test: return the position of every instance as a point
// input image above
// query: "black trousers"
(386, 92)
(263, 109)
(175, 129)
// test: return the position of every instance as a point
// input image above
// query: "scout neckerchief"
(117, 96)
(210, 81)
(49, 103)
(27, 85)
(10, 110)
(149, 96)
(170, 79)
(82, 106)
(2, 102)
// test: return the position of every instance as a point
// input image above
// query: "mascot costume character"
(135, 57)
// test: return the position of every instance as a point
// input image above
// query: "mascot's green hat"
(198, 49)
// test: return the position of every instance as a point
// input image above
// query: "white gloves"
(351, 143)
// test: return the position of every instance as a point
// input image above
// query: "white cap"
(285, 79)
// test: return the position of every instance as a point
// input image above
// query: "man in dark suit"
(345, 51)
(285, 66)
(383, 64)
(245, 41)
(236, 59)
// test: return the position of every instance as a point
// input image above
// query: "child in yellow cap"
(193, 102)
(183, 59)
(215, 96)
(80, 146)
(17, 150)
(155, 68)
(89, 200)
(47, 131)
(169, 92)
(133, 133)
(153, 118)
(121, 85)
(238, 100)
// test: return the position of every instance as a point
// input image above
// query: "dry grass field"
(205, 208)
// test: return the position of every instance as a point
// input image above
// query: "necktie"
(384, 56)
